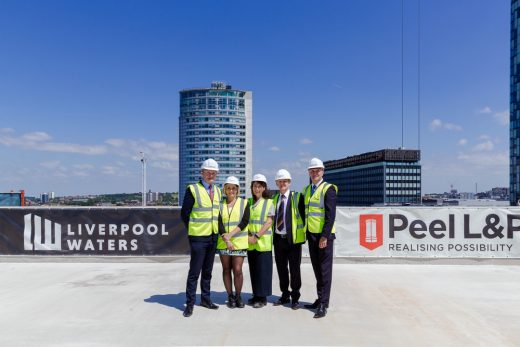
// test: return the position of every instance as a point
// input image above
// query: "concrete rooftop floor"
(139, 302)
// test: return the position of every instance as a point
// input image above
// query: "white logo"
(43, 237)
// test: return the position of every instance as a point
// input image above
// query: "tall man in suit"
(320, 213)
(289, 235)
(200, 214)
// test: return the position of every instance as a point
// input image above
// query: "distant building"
(44, 198)
(388, 177)
(215, 123)
(12, 199)
(152, 196)
(514, 106)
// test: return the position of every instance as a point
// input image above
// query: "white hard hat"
(232, 180)
(209, 164)
(259, 178)
(315, 163)
(282, 174)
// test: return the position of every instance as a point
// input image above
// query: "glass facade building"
(215, 123)
(514, 107)
(385, 177)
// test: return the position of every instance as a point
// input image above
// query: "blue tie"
(313, 189)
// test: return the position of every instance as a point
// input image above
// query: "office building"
(514, 107)
(215, 123)
(385, 177)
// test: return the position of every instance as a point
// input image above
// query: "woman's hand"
(230, 246)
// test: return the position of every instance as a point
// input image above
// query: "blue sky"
(86, 85)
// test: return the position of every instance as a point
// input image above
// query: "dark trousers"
(321, 259)
(261, 271)
(288, 254)
(202, 258)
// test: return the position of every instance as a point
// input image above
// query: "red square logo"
(371, 230)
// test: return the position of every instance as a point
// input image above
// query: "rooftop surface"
(118, 303)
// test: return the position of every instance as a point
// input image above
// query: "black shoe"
(251, 301)
(321, 312)
(238, 302)
(231, 301)
(295, 305)
(208, 304)
(259, 304)
(313, 306)
(188, 311)
(281, 301)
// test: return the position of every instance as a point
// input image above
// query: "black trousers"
(261, 271)
(321, 259)
(288, 258)
(202, 258)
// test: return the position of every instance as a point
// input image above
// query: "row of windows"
(187, 114)
(215, 139)
(204, 93)
(403, 192)
(212, 100)
(214, 126)
(202, 146)
(216, 132)
(213, 152)
(211, 107)
(401, 171)
(403, 185)
(403, 178)
(214, 119)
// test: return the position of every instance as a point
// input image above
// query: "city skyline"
(88, 85)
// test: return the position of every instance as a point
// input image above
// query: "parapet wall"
(382, 232)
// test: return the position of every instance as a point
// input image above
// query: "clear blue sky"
(86, 85)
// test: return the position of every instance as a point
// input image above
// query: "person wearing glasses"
(320, 214)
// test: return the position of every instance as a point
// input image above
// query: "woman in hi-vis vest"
(232, 245)
(259, 254)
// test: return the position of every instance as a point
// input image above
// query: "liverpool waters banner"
(379, 232)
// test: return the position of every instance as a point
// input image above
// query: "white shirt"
(280, 200)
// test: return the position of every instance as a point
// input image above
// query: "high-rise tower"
(215, 123)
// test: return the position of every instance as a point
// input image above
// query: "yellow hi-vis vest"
(298, 228)
(231, 219)
(315, 208)
(257, 218)
(204, 214)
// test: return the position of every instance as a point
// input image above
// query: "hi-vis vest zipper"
(298, 228)
(204, 214)
(315, 208)
(231, 220)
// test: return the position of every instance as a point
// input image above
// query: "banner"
(92, 231)
(451, 232)
(426, 232)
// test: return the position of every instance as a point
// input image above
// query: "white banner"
(450, 232)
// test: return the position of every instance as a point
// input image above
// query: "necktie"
(211, 192)
(313, 189)
(279, 219)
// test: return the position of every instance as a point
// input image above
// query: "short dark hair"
(266, 193)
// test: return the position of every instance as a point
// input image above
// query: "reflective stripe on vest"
(231, 221)
(256, 221)
(315, 208)
(298, 228)
(204, 213)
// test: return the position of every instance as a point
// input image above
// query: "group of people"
(233, 227)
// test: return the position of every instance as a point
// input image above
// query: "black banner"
(92, 231)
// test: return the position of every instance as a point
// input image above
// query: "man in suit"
(200, 214)
(320, 213)
(289, 235)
